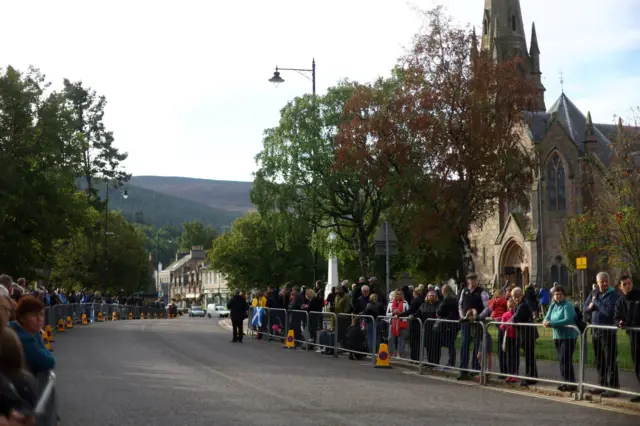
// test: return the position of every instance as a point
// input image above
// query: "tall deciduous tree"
(257, 252)
(610, 231)
(445, 134)
(100, 158)
(39, 155)
(297, 173)
(196, 234)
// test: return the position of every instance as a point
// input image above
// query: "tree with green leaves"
(609, 232)
(100, 158)
(297, 174)
(196, 234)
(257, 252)
(40, 154)
(127, 263)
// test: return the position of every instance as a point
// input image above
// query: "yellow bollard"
(60, 327)
(69, 322)
(290, 343)
(383, 357)
(130, 315)
(85, 321)
(49, 332)
(155, 315)
(141, 315)
(114, 316)
(47, 343)
(99, 316)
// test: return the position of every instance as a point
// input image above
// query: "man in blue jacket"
(601, 305)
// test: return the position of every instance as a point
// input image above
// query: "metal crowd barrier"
(99, 312)
(488, 350)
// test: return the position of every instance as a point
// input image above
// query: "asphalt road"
(185, 372)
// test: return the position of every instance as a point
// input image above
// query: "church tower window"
(485, 27)
(556, 184)
(514, 26)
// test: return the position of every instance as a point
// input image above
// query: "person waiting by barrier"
(432, 330)
(342, 306)
(498, 306)
(313, 304)
(545, 299)
(399, 327)
(473, 300)
(527, 336)
(373, 309)
(509, 344)
(561, 317)
(448, 310)
(19, 387)
(39, 360)
(6, 307)
(414, 324)
(355, 339)
(600, 305)
(627, 314)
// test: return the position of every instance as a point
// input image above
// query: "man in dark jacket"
(238, 309)
(627, 315)
(600, 306)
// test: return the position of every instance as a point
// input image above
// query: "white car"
(217, 311)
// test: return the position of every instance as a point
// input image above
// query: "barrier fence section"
(489, 350)
(610, 347)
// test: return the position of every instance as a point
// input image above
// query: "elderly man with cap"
(473, 300)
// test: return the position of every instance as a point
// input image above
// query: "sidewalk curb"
(537, 389)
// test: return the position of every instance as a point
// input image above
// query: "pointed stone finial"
(534, 49)
(619, 129)
(588, 132)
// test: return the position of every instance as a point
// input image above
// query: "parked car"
(217, 311)
(196, 311)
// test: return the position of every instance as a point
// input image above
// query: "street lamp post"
(276, 80)
(125, 195)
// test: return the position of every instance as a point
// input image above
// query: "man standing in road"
(628, 316)
(238, 309)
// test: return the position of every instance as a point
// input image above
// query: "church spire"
(534, 49)
(503, 30)
(474, 45)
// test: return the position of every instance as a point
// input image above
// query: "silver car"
(196, 311)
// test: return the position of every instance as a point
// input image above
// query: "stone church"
(522, 243)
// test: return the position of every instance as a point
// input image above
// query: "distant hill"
(162, 209)
(228, 196)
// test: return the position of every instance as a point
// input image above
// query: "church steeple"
(503, 30)
(503, 35)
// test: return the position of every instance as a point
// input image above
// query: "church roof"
(572, 120)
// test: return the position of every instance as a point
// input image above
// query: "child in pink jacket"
(510, 344)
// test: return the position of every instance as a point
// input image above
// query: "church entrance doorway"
(513, 264)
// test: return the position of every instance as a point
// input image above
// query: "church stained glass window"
(556, 189)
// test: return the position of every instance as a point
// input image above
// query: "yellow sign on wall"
(581, 263)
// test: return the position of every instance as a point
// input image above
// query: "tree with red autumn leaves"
(444, 134)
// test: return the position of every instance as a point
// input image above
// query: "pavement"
(185, 372)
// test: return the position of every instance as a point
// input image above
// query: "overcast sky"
(186, 81)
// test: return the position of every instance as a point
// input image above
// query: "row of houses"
(189, 281)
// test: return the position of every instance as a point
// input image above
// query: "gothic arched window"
(485, 27)
(556, 184)
(514, 27)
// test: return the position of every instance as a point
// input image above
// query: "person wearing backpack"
(561, 317)
(627, 316)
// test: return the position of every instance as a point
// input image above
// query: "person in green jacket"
(561, 317)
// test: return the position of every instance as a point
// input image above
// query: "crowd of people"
(442, 314)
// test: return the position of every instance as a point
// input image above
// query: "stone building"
(522, 243)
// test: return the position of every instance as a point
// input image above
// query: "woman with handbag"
(399, 327)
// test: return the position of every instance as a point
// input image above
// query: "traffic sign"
(581, 263)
